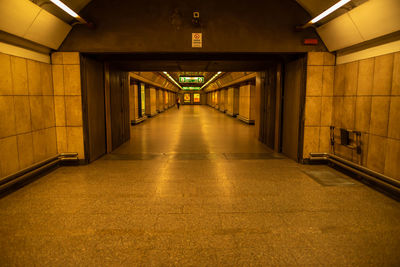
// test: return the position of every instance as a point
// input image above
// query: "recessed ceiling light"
(329, 10)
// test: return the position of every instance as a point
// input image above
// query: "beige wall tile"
(36, 104)
(48, 111)
(6, 87)
(75, 141)
(380, 115)
(315, 58)
(72, 80)
(244, 98)
(324, 140)
(58, 79)
(329, 59)
(326, 111)
(252, 101)
(364, 148)
(365, 76)
(22, 114)
(51, 144)
(363, 113)
(311, 140)
(313, 111)
(337, 111)
(153, 101)
(392, 160)
(25, 150)
(394, 118)
(73, 110)
(39, 145)
(8, 156)
(351, 78)
(339, 82)
(61, 139)
(57, 58)
(244, 91)
(19, 76)
(314, 80)
(70, 58)
(383, 73)
(343, 151)
(327, 81)
(46, 79)
(147, 101)
(376, 153)
(349, 109)
(7, 116)
(244, 106)
(59, 106)
(132, 102)
(34, 78)
(44, 144)
(396, 74)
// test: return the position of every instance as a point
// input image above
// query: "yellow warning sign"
(197, 40)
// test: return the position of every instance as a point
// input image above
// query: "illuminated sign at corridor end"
(191, 88)
(183, 79)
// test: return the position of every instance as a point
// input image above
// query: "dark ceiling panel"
(182, 62)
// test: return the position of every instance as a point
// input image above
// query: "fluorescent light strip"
(172, 79)
(65, 8)
(210, 80)
(329, 10)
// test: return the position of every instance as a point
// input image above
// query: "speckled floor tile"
(195, 188)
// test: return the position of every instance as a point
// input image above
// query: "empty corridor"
(194, 187)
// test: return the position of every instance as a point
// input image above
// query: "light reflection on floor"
(193, 188)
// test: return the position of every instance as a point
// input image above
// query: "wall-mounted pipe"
(36, 169)
(366, 173)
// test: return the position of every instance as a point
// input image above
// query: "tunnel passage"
(250, 87)
(98, 166)
(194, 186)
(297, 103)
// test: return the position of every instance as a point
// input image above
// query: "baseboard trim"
(245, 120)
(231, 114)
(137, 121)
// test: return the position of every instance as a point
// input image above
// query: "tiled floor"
(195, 188)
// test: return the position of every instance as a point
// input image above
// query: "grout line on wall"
(15, 114)
(356, 96)
(370, 107)
(30, 111)
(33, 131)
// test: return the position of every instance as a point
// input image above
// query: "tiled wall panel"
(68, 102)
(319, 111)
(27, 124)
(370, 105)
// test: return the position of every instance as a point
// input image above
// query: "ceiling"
(76, 5)
(313, 7)
(359, 21)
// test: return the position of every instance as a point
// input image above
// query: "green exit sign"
(191, 88)
(183, 79)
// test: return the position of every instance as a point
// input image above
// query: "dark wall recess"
(268, 106)
(119, 104)
(93, 108)
(293, 108)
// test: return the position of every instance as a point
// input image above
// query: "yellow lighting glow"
(210, 80)
(330, 10)
(65, 8)
(172, 79)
